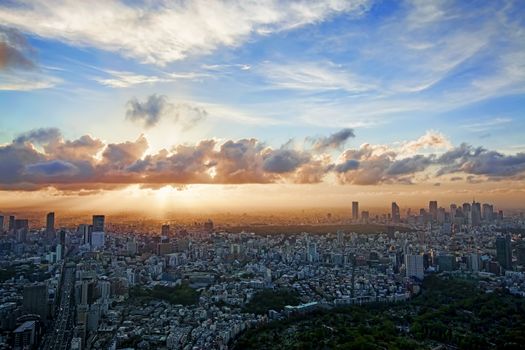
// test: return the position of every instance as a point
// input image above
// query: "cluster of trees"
(269, 299)
(448, 312)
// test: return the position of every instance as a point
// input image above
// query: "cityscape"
(200, 286)
(262, 174)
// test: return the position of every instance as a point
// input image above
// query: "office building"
(50, 225)
(98, 239)
(35, 299)
(504, 252)
(433, 209)
(98, 223)
(414, 266)
(396, 217)
(1, 223)
(11, 226)
(475, 214)
(355, 211)
(165, 230)
(25, 336)
(487, 212)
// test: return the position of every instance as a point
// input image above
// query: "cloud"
(51, 168)
(284, 160)
(487, 125)
(334, 141)
(14, 50)
(41, 158)
(155, 107)
(312, 77)
(39, 136)
(17, 66)
(149, 112)
(167, 32)
(431, 140)
(120, 79)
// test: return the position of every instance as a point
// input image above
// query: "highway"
(60, 334)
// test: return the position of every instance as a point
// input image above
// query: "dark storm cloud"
(155, 107)
(334, 141)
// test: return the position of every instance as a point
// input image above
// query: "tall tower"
(396, 217)
(355, 211)
(50, 225)
(98, 223)
(433, 209)
(504, 252)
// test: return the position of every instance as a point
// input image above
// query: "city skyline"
(301, 104)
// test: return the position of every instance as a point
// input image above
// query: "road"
(60, 334)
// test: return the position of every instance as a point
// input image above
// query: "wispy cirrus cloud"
(313, 77)
(170, 31)
(121, 79)
(18, 69)
(487, 125)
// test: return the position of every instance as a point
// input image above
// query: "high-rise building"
(98, 239)
(21, 229)
(414, 266)
(433, 209)
(487, 212)
(475, 214)
(35, 299)
(365, 216)
(1, 223)
(504, 251)
(165, 230)
(50, 225)
(98, 223)
(311, 251)
(85, 232)
(11, 226)
(396, 217)
(355, 211)
(520, 252)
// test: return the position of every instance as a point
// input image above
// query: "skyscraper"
(414, 266)
(488, 212)
(11, 226)
(355, 211)
(50, 225)
(35, 298)
(433, 209)
(1, 223)
(396, 217)
(475, 214)
(98, 223)
(165, 230)
(504, 251)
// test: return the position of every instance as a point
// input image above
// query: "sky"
(165, 105)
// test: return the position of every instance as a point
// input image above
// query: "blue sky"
(392, 71)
